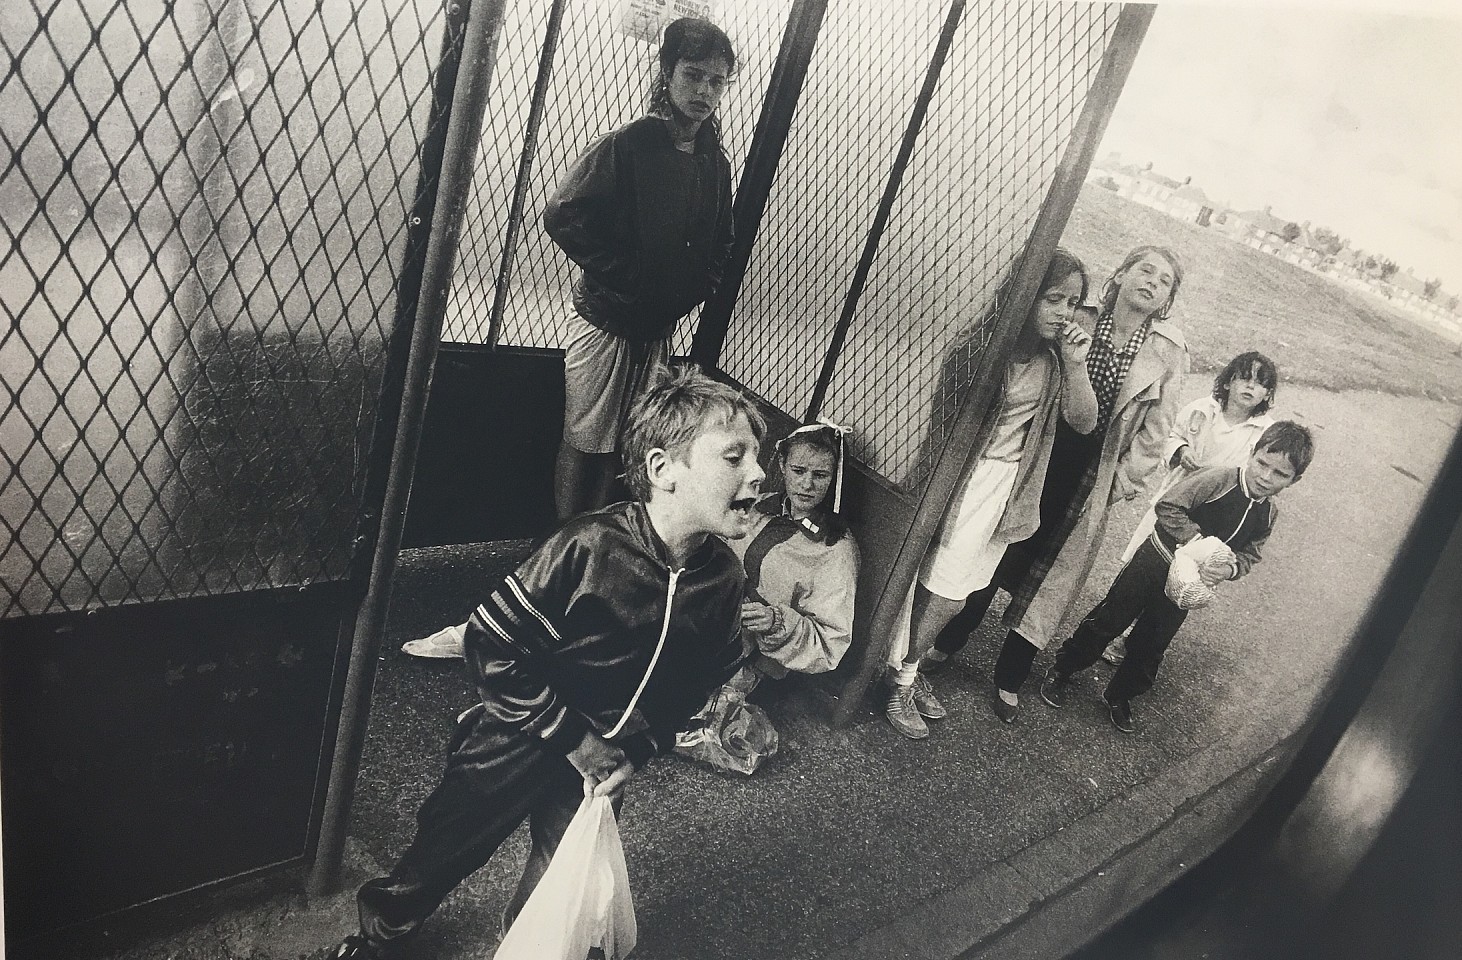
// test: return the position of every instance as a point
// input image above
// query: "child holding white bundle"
(1233, 505)
(1218, 430)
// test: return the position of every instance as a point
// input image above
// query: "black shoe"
(1121, 714)
(1006, 712)
(930, 666)
(1055, 688)
(357, 947)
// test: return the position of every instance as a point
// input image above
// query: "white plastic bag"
(583, 900)
(1185, 585)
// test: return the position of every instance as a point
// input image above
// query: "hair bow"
(823, 423)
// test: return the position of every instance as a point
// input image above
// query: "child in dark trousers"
(1231, 503)
(591, 656)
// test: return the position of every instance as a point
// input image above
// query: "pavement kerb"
(1089, 874)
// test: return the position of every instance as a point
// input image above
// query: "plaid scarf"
(1108, 366)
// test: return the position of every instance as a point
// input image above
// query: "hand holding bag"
(1186, 586)
(583, 900)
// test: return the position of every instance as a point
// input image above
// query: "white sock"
(906, 674)
(1011, 698)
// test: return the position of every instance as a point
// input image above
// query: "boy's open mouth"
(743, 505)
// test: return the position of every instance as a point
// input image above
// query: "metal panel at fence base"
(208, 215)
(155, 748)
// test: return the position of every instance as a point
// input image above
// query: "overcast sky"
(1347, 119)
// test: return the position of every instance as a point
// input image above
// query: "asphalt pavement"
(984, 840)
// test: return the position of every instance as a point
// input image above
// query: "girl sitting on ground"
(1046, 381)
(801, 569)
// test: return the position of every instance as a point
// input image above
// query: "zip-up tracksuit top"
(1212, 503)
(597, 631)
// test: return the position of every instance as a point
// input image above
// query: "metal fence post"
(969, 427)
(525, 170)
(784, 90)
(885, 207)
(466, 98)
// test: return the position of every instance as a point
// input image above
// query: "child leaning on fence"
(1044, 384)
(591, 656)
(1214, 523)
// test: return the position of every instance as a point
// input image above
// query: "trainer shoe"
(1121, 714)
(1006, 712)
(445, 644)
(925, 701)
(902, 713)
(1055, 688)
(357, 947)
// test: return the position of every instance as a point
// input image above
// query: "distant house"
(1306, 251)
(1263, 231)
(1152, 189)
(1226, 220)
(1111, 167)
(1408, 289)
(1190, 203)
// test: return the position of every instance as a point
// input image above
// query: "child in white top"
(1045, 381)
(1218, 430)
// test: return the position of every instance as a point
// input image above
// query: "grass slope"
(1235, 299)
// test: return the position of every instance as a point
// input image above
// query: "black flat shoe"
(1006, 712)
(1121, 714)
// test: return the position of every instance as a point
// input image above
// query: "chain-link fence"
(598, 78)
(205, 207)
(1007, 96)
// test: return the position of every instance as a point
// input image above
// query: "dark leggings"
(1070, 455)
(496, 778)
(1012, 569)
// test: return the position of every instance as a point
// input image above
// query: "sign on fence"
(644, 19)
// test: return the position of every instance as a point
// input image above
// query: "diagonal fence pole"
(469, 104)
(784, 91)
(546, 58)
(969, 427)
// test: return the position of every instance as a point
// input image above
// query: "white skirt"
(963, 559)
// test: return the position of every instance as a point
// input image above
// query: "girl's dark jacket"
(578, 637)
(649, 224)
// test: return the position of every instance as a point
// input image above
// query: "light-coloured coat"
(1134, 444)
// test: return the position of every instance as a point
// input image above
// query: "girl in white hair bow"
(801, 568)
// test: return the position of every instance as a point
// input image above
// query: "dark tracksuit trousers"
(496, 778)
(1136, 595)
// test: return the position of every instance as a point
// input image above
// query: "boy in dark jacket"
(592, 655)
(1230, 503)
(645, 213)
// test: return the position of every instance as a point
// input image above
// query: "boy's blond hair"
(679, 404)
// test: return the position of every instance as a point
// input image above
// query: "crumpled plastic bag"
(738, 739)
(583, 902)
(1186, 585)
